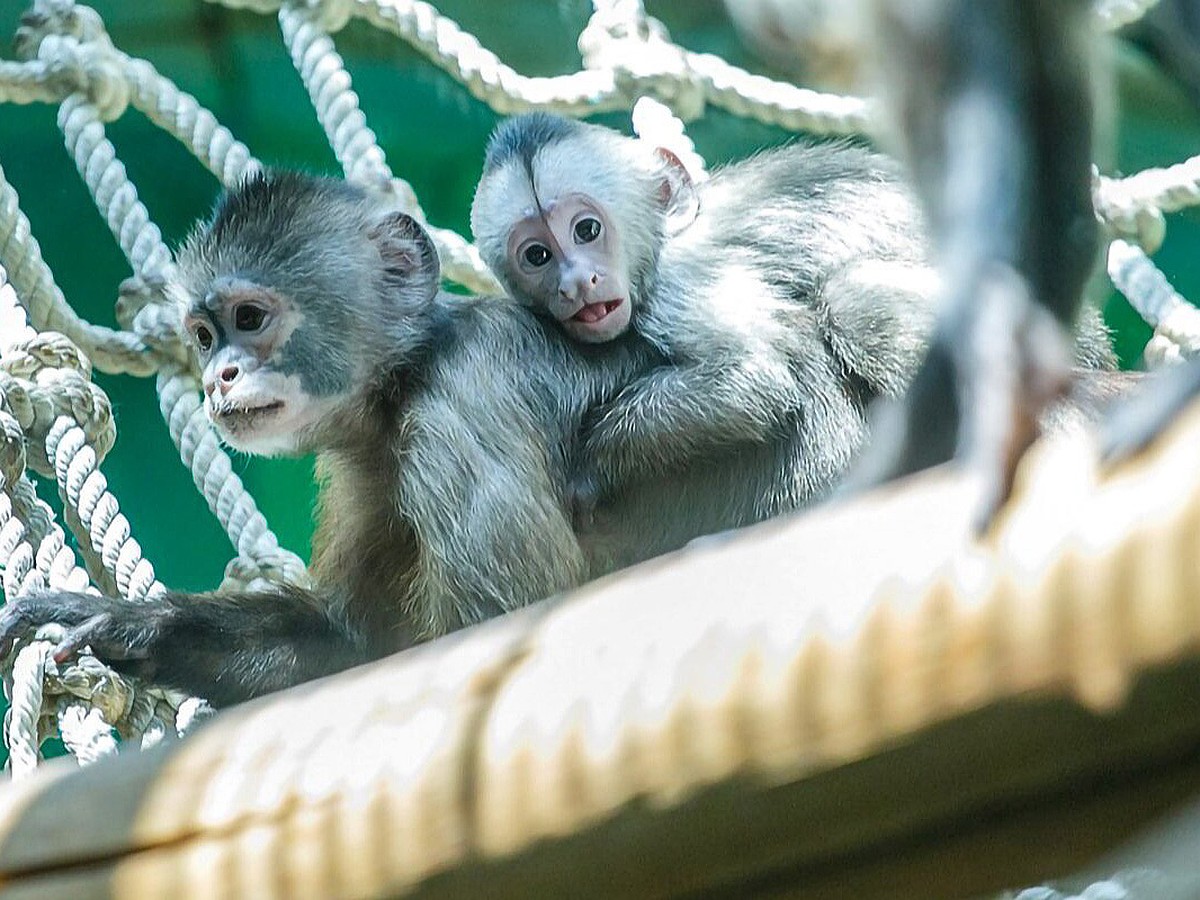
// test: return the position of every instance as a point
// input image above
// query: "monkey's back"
(488, 437)
(744, 288)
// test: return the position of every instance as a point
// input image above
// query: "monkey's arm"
(224, 647)
(677, 412)
(995, 107)
(1138, 419)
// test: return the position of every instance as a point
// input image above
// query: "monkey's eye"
(537, 255)
(587, 230)
(204, 338)
(249, 317)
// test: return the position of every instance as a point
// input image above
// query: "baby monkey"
(785, 294)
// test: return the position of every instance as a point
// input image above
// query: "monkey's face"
(255, 349)
(571, 217)
(303, 299)
(565, 256)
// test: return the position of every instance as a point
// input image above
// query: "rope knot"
(12, 445)
(269, 570)
(146, 305)
(89, 679)
(1124, 217)
(91, 67)
(331, 16)
(57, 17)
(638, 50)
(46, 377)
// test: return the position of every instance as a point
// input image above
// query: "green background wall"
(433, 133)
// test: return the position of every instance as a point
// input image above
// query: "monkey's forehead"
(617, 173)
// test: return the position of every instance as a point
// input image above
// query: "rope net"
(57, 423)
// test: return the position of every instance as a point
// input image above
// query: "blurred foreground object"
(839, 703)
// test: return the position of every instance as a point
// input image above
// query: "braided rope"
(629, 61)
(1123, 203)
(1176, 322)
(306, 30)
(36, 685)
(21, 257)
(223, 491)
(654, 123)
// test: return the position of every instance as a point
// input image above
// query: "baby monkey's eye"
(249, 317)
(537, 255)
(587, 230)
(204, 338)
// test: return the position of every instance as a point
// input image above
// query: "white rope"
(1114, 14)
(1133, 207)
(41, 691)
(47, 398)
(21, 257)
(655, 124)
(1176, 322)
(305, 30)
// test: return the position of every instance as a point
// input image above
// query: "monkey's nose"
(572, 288)
(228, 376)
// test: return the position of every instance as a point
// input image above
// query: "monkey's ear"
(677, 192)
(407, 251)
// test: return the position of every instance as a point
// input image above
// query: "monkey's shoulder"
(502, 357)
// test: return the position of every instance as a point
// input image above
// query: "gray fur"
(250, 236)
(444, 469)
(768, 389)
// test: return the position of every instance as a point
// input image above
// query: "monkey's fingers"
(1138, 420)
(21, 617)
(108, 638)
(116, 631)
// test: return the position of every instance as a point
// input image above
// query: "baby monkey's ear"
(676, 192)
(409, 257)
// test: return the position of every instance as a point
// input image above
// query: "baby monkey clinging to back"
(785, 293)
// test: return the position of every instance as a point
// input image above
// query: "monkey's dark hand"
(1138, 420)
(119, 632)
(225, 647)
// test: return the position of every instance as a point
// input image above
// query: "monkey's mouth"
(239, 415)
(591, 313)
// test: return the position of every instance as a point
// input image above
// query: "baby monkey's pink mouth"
(591, 313)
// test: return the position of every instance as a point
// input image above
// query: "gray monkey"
(442, 425)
